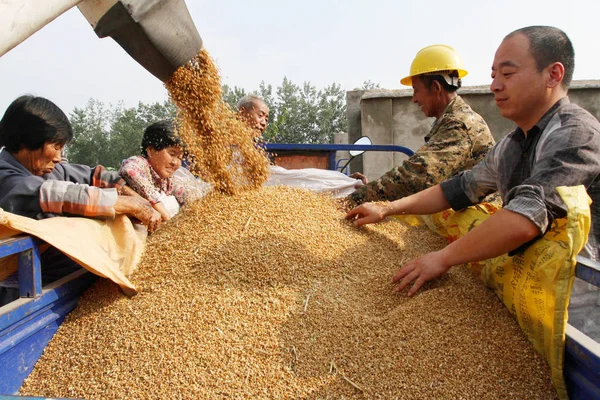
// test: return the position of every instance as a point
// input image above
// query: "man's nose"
(495, 85)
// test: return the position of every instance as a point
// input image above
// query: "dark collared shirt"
(562, 149)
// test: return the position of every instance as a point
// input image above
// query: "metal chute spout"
(159, 34)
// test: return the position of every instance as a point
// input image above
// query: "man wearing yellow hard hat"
(555, 143)
(459, 137)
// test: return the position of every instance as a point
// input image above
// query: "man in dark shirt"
(556, 144)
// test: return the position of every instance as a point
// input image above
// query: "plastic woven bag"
(314, 179)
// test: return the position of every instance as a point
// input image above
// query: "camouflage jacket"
(458, 140)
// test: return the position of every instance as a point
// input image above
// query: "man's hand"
(420, 270)
(139, 208)
(368, 213)
(358, 175)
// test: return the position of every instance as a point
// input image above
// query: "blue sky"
(347, 42)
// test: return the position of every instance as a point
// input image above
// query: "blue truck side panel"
(27, 325)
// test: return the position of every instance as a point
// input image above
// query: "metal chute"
(158, 34)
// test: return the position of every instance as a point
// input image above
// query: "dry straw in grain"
(272, 294)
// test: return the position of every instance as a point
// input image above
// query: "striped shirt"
(70, 189)
(562, 149)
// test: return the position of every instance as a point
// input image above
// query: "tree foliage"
(369, 85)
(106, 136)
(298, 114)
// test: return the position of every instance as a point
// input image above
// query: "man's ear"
(556, 74)
(437, 87)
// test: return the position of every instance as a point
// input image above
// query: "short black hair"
(30, 122)
(160, 135)
(428, 80)
(549, 45)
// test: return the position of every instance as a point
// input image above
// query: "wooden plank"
(8, 266)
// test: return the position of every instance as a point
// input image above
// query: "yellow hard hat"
(435, 58)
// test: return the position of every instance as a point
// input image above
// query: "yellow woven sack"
(535, 285)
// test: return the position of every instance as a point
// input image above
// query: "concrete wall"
(390, 117)
(341, 157)
(354, 129)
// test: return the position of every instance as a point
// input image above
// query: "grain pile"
(221, 146)
(272, 294)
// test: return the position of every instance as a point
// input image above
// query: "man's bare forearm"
(428, 201)
(502, 232)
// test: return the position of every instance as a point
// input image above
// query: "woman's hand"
(368, 213)
(139, 208)
(162, 210)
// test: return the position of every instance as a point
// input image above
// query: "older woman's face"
(40, 161)
(166, 161)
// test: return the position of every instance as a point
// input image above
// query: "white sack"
(314, 179)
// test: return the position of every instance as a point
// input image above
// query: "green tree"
(128, 127)
(368, 85)
(232, 95)
(298, 114)
(331, 115)
(106, 136)
(288, 117)
(307, 115)
(90, 138)
(275, 121)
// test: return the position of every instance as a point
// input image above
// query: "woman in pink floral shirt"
(151, 174)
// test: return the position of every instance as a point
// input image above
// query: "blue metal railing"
(582, 354)
(27, 249)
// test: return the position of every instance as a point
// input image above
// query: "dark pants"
(55, 265)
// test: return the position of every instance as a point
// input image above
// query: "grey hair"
(249, 101)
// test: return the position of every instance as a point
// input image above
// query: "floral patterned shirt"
(142, 178)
